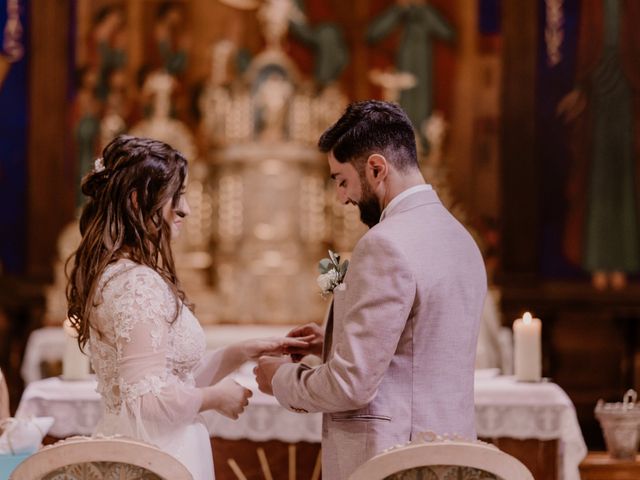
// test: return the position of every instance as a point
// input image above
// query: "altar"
(525, 417)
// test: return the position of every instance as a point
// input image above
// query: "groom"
(400, 340)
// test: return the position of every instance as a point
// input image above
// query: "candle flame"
(526, 318)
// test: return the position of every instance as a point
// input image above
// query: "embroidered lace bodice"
(144, 359)
(151, 365)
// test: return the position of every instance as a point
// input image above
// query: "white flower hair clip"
(98, 165)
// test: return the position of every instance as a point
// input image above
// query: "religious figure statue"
(86, 124)
(116, 108)
(327, 41)
(434, 130)
(278, 17)
(160, 125)
(170, 39)
(271, 101)
(221, 59)
(275, 16)
(109, 38)
(602, 225)
(420, 23)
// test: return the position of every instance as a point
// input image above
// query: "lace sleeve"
(142, 309)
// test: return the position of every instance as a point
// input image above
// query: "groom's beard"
(369, 207)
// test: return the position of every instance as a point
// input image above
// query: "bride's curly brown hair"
(123, 218)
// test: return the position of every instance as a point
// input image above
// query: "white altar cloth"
(507, 408)
(504, 408)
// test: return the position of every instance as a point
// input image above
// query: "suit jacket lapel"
(328, 334)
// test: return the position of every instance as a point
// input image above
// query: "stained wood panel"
(51, 172)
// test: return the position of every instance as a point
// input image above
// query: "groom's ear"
(377, 167)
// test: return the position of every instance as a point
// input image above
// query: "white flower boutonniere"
(331, 272)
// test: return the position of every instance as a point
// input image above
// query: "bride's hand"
(274, 346)
(227, 397)
(313, 334)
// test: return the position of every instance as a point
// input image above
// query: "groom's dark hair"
(371, 127)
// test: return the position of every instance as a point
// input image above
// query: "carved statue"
(86, 124)
(271, 102)
(275, 16)
(116, 108)
(327, 41)
(161, 126)
(420, 24)
(171, 40)
(109, 40)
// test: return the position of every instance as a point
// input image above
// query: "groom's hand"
(266, 369)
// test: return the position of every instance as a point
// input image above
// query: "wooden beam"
(519, 170)
(50, 169)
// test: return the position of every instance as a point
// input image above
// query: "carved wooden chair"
(433, 458)
(4, 397)
(108, 458)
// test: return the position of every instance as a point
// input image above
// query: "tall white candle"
(527, 350)
(75, 364)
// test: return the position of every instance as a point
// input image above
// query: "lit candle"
(75, 364)
(527, 350)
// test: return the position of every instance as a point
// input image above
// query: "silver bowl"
(620, 422)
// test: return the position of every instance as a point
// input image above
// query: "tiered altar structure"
(274, 214)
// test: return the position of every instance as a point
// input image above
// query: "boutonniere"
(331, 272)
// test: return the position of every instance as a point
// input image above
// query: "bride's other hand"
(274, 346)
(311, 333)
(227, 397)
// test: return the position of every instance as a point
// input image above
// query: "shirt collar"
(402, 195)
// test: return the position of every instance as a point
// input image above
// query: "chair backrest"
(4, 397)
(96, 458)
(437, 460)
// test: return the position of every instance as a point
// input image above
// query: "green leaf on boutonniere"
(325, 265)
(343, 268)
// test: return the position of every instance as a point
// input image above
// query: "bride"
(125, 301)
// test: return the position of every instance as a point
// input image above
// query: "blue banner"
(555, 78)
(14, 48)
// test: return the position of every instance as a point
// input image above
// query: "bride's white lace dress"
(149, 368)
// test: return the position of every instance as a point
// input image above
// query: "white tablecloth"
(504, 408)
(44, 344)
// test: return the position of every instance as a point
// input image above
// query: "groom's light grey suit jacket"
(400, 341)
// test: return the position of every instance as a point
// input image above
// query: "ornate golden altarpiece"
(263, 209)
